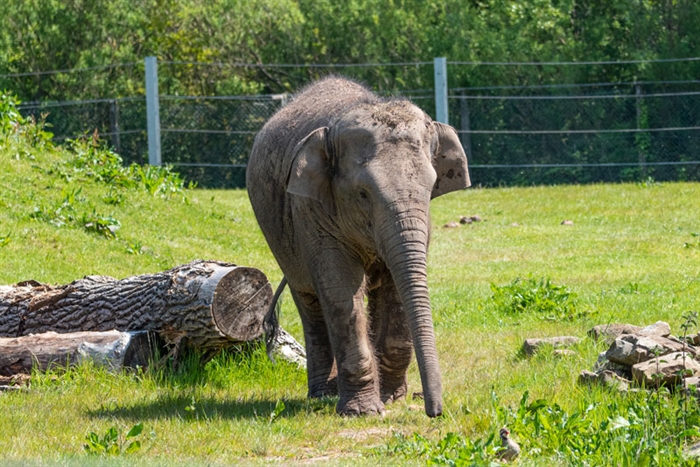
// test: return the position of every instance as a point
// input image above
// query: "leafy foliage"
(452, 450)
(89, 157)
(536, 296)
(112, 443)
(106, 226)
(36, 35)
(15, 129)
(637, 430)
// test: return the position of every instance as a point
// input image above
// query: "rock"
(567, 222)
(605, 378)
(692, 386)
(694, 339)
(469, 219)
(450, 225)
(659, 328)
(531, 346)
(601, 362)
(669, 370)
(692, 452)
(693, 381)
(604, 364)
(630, 349)
(587, 377)
(611, 331)
(15, 381)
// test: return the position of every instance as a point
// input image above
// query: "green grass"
(630, 256)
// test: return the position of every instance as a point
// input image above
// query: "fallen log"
(113, 349)
(203, 304)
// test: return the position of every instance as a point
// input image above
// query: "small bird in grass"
(510, 448)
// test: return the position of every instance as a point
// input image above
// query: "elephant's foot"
(393, 390)
(324, 389)
(360, 404)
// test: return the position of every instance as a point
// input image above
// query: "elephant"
(340, 182)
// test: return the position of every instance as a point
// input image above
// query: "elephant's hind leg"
(320, 364)
(391, 336)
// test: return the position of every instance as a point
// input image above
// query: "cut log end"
(240, 302)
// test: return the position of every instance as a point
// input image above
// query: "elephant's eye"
(363, 194)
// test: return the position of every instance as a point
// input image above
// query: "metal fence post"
(440, 66)
(114, 125)
(152, 111)
(642, 139)
(465, 125)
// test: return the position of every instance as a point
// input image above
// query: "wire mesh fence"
(513, 135)
(209, 139)
(121, 123)
(575, 134)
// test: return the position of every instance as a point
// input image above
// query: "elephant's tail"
(271, 322)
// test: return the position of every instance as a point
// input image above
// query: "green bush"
(16, 129)
(536, 296)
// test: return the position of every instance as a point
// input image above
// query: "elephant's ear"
(310, 173)
(450, 162)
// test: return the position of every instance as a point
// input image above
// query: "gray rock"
(531, 346)
(692, 381)
(692, 452)
(601, 362)
(669, 370)
(605, 378)
(611, 331)
(694, 339)
(604, 364)
(630, 349)
(692, 387)
(659, 328)
(469, 219)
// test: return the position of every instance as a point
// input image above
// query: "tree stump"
(113, 349)
(203, 304)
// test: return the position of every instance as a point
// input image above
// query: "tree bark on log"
(113, 349)
(203, 304)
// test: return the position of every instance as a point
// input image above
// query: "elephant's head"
(375, 171)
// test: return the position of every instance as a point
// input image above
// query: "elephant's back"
(318, 105)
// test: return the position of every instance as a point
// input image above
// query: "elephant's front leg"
(390, 334)
(340, 288)
(320, 364)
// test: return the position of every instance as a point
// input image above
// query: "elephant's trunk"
(405, 253)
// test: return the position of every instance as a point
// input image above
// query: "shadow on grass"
(187, 408)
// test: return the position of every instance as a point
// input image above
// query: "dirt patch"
(364, 434)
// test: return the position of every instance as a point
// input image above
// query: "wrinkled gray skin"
(341, 182)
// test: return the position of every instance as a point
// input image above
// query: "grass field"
(632, 255)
